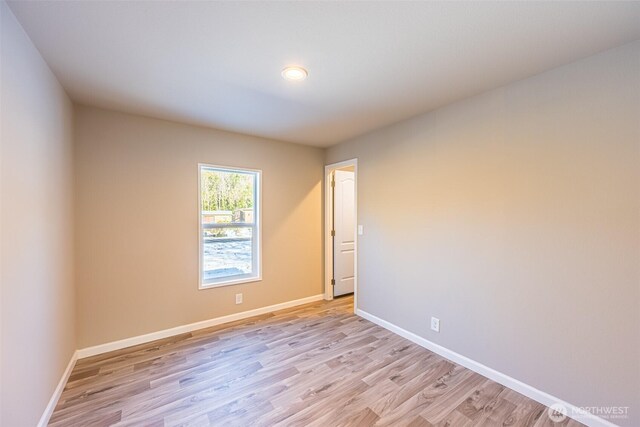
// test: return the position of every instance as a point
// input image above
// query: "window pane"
(227, 252)
(227, 196)
(228, 224)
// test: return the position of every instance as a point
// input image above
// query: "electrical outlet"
(435, 324)
(238, 298)
(360, 230)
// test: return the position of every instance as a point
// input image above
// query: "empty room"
(319, 213)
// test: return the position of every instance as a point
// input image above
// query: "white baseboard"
(46, 415)
(507, 381)
(141, 339)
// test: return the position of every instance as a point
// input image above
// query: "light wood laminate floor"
(312, 365)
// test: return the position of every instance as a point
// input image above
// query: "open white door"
(344, 226)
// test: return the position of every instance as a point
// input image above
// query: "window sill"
(204, 286)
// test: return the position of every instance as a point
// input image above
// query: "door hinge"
(333, 282)
(333, 233)
(333, 182)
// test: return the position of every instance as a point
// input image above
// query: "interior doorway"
(341, 229)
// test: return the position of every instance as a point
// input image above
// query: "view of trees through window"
(226, 191)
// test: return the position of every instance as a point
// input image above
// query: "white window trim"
(233, 280)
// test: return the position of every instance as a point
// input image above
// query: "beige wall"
(37, 291)
(137, 223)
(514, 217)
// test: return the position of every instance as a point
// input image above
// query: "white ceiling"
(370, 63)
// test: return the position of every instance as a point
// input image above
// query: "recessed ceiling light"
(294, 73)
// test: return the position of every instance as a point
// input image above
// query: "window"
(229, 226)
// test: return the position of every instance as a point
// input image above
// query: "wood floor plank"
(420, 401)
(316, 365)
(477, 404)
(496, 412)
(527, 411)
(454, 419)
(420, 422)
(412, 390)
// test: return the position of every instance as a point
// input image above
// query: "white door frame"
(328, 241)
